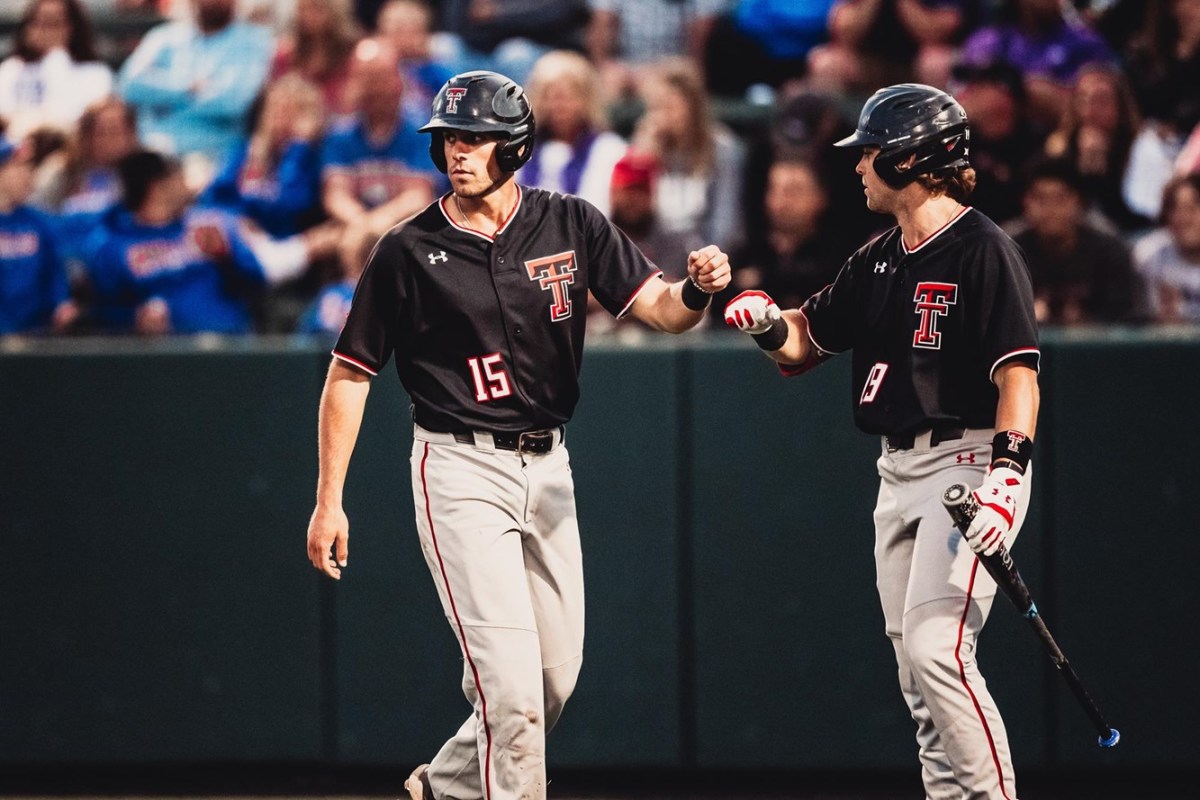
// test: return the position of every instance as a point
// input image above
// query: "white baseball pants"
(500, 536)
(936, 596)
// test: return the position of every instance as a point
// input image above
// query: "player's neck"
(487, 213)
(921, 220)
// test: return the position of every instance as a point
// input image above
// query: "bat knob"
(955, 494)
(1111, 740)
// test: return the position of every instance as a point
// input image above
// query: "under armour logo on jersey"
(555, 273)
(453, 95)
(880, 267)
(436, 257)
(933, 300)
(965, 458)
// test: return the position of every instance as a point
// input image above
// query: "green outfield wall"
(157, 605)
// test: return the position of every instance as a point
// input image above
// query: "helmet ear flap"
(888, 167)
(437, 151)
(512, 154)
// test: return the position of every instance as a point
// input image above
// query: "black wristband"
(773, 337)
(1012, 446)
(693, 296)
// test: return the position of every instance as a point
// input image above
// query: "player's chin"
(468, 186)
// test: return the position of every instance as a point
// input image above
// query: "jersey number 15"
(490, 379)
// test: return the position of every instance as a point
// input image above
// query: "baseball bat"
(961, 506)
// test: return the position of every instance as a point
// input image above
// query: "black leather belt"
(532, 442)
(937, 435)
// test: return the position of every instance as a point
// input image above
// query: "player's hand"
(997, 497)
(751, 312)
(709, 268)
(329, 540)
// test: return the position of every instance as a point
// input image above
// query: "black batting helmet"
(483, 102)
(912, 119)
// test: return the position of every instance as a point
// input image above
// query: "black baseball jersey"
(929, 325)
(487, 331)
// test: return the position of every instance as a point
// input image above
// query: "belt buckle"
(535, 441)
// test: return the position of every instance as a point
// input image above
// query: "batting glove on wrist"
(751, 312)
(997, 497)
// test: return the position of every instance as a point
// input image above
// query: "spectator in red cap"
(633, 185)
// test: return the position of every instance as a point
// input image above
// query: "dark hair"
(80, 44)
(957, 185)
(1171, 193)
(1061, 170)
(139, 171)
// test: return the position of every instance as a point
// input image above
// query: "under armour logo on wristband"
(1015, 440)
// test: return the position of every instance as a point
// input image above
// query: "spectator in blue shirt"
(193, 81)
(375, 166)
(159, 266)
(33, 284)
(274, 177)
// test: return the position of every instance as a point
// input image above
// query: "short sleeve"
(618, 271)
(369, 335)
(830, 313)
(1002, 306)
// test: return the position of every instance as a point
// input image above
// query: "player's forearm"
(672, 315)
(338, 422)
(1017, 408)
(797, 348)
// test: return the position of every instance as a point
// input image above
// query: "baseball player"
(939, 313)
(482, 298)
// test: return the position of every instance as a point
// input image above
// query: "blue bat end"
(1111, 740)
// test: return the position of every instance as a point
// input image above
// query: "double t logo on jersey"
(555, 273)
(933, 299)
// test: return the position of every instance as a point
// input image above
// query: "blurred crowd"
(228, 165)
